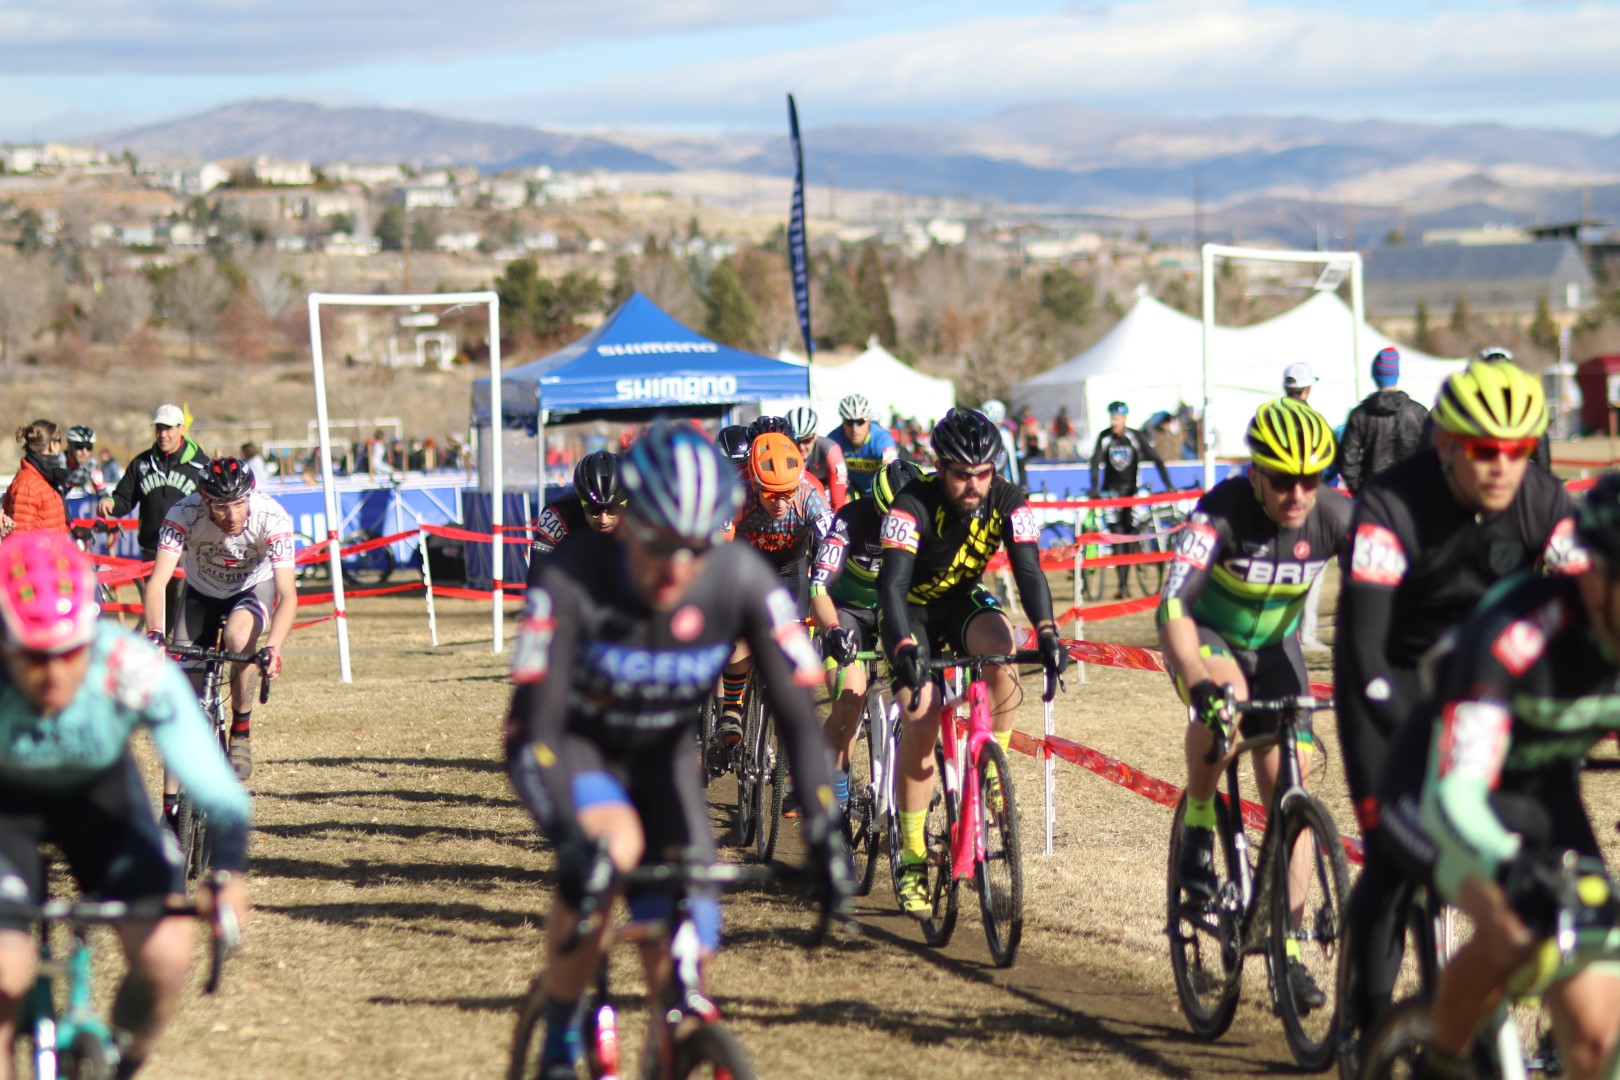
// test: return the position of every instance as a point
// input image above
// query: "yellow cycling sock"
(1004, 739)
(1291, 948)
(1200, 813)
(913, 842)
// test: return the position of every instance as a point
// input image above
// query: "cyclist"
(621, 642)
(995, 411)
(597, 503)
(1484, 782)
(84, 472)
(1431, 535)
(1231, 608)
(732, 442)
(937, 537)
(784, 516)
(236, 545)
(866, 446)
(72, 691)
(844, 600)
(822, 457)
(1119, 451)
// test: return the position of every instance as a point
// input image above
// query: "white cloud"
(241, 36)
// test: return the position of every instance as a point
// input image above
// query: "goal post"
(1345, 262)
(334, 519)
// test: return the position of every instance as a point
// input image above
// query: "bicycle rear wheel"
(711, 1051)
(1315, 942)
(1000, 876)
(941, 825)
(860, 812)
(772, 790)
(86, 1059)
(747, 758)
(367, 569)
(1397, 1045)
(1205, 953)
(523, 1062)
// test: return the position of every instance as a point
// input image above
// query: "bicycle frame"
(1290, 786)
(962, 771)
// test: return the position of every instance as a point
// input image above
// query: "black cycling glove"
(1209, 704)
(839, 646)
(156, 638)
(1053, 655)
(908, 667)
(583, 869)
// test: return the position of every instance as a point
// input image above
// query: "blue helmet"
(679, 484)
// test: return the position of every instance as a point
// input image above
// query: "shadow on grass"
(463, 1004)
(409, 795)
(368, 874)
(483, 765)
(527, 839)
(408, 911)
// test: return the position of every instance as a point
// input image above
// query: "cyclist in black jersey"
(937, 538)
(1120, 451)
(622, 639)
(1230, 612)
(597, 503)
(1431, 535)
(844, 601)
(1484, 781)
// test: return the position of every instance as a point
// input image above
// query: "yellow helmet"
(1492, 399)
(1291, 437)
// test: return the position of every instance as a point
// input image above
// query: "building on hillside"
(257, 205)
(359, 172)
(278, 173)
(352, 246)
(458, 242)
(505, 194)
(1505, 279)
(329, 204)
(426, 197)
(187, 178)
(49, 157)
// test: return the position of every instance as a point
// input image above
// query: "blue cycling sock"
(841, 787)
(562, 1031)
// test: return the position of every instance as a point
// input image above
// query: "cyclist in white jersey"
(236, 546)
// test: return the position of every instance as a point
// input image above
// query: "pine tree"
(873, 292)
(729, 317)
(846, 321)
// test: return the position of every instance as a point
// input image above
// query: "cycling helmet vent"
(1291, 437)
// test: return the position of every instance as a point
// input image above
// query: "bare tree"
(274, 286)
(197, 295)
(25, 293)
(121, 308)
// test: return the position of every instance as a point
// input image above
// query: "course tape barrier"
(1037, 503)
(450, 532)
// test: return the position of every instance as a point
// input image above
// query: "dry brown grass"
(401, 891)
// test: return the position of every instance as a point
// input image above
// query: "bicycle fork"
(967, 844)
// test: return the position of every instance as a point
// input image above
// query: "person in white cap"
(157, 478)
(1298, 380)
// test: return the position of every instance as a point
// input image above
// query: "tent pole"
(498, 508)
(334, 519)
(1358, 307)
(1206, 428)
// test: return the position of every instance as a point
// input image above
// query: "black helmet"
(734, 442)
(226, 479)
(79, 435)
(596, 479)
(1597, 520)
(766, 424)
(891, 479)
(966, 437)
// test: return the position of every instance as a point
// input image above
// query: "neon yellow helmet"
(1291, 437)
(1492, 399)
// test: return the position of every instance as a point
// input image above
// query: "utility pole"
(1198, 211)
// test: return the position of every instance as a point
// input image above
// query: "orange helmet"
(775, 464)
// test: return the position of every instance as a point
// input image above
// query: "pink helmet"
(47, 593)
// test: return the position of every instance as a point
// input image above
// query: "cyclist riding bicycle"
(866, 446)
(822, 457)
(236, 547)
(72, 692)
(844, 600)
(597, 503)
(938, 536)
(1230, 614)
(620, 645)
(1431, 535)
(1484, 781)
(784, 516)
(1120, 450)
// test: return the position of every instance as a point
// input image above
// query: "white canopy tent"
(1153, 360)
(889, 383)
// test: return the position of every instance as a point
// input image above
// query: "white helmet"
(994, 411)
(855, 407)
(1496, 354)
(803, 421)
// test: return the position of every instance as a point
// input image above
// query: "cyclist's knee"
(160, 954)
(18, 959)
(1585, 1008)
(618, 825)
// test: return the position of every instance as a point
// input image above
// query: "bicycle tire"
(705, 739)
(1000, 876)
(1208, 987)
(529, 1034)
(775, 771)
(1397, 1043)
(860, 809)
(711, 1051)
(368, 569)
(747, 773)
(1312, 1034)
(1150, 575)
(943, 816)
(896, 842)
(86, 1059)
(188, 831)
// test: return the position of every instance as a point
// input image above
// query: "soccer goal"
(1336, 265)
(334, 516)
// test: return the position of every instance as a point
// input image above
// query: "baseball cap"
(1298, 375)
(169, 416)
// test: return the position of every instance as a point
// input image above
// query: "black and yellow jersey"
(1240, 574)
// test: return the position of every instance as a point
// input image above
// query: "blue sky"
(71, 67)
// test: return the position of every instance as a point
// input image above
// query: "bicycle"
(685, 1037)
(869, 812)
(215, 697)
(72, 1041)
(972, 825)
(1583, 934)
(1160, 518)
(364, 569)
(1252, 909)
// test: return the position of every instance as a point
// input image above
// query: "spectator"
(34, 501)
(1119, 451)
(84, 474)
(1165, 435)
(1063, 434)
(253, 460)
(1385, 428)
(1298, 380)
(111, 471)
(1032, 440)
(996, 412)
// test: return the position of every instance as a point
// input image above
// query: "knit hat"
(1386, 368)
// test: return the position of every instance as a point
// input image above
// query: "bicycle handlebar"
(195, 652)
(1301, 703)
(978, 661)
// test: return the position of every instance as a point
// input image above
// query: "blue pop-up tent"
(640, 358)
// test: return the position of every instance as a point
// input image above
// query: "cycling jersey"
(849, 556)
(128, 684)
(1119, 456)
(789, 540)
(825, 462)
(864, 461)
(934, 553)
(1239, 573)
(557, 520)
(218, 565)
(155, 481)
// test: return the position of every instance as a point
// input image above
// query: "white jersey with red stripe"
(218, 565)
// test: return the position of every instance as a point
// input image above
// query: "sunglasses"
(603, 509)
(1282, 481)
(856, 423)
(662, 544)
(1483, 449)
(776, 497)
(958, 473)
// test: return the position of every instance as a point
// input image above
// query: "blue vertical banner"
(798, 252)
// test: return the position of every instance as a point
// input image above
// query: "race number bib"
(1377, 557)
(900, 531)
(1025, 528)
(1197, 544)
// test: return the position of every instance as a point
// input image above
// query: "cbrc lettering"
(678, 387)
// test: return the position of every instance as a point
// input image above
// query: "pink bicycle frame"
(962, 776)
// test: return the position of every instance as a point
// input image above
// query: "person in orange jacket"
(34, 501)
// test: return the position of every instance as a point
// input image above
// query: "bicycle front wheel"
(87, 1059)
(709, 1051)
(1307, 920)
(943, 812)
(748, 757)
(189, 829)
(1000, 876)
(530, 1033)
(860, 812)
(1398, 1044)
(771, 793)
(1205, 952)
